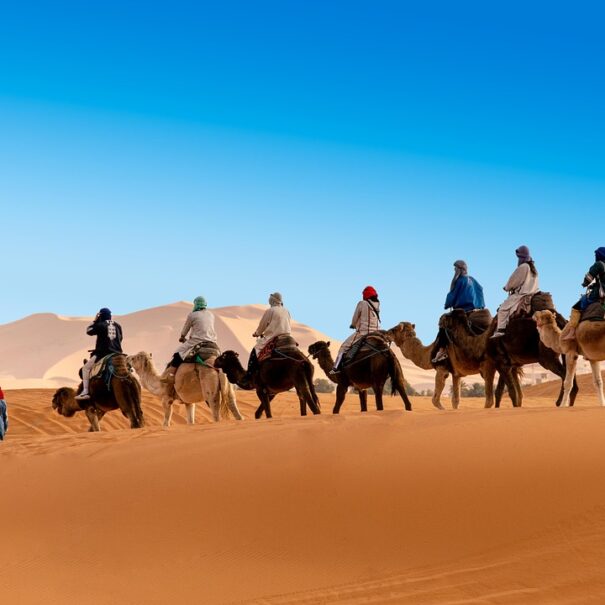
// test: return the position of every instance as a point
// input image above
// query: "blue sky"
(152, 152)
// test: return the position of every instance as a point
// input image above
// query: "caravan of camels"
(526, 329)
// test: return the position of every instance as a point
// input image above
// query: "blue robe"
(467, 294)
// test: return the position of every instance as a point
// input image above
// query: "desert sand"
(468, 506)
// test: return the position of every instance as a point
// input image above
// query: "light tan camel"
(589, 342)
(404, 336)
(193, 383)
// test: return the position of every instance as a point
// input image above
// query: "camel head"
(227, 360)
(318, 347)
(544, 318)
(402, 331)
(64, 402)
(141, 361)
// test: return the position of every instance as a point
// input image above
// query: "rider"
(465, 293)
(523, 281)
(109, 340)
(201, 324)
(274, 322)
(366, 319)
(594, 280)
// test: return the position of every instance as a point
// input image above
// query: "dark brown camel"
(124, 394)
(370, 368)
(519, 346)
(273, 376)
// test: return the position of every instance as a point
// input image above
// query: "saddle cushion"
(479, 320)
(594, 312)
(372, 342)
(100, 366)
(202, 351)
(281, 342)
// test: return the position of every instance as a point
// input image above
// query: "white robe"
(275, 321)
(365, 320)
(521, 283)
(201, 325)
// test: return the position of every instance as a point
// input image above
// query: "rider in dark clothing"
(109, 340)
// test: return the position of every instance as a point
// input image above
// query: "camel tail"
(398, 381)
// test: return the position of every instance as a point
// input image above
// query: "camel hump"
(542, 301)
(479, 320)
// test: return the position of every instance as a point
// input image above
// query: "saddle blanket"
(593, 312)
(381, 344)
(203, 351)
(539, 301)
(282, 342)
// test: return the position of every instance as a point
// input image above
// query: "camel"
(519, 346)
(373, 364)
(124, 394)
(404, 336)
(193, 383)
(589, 342)
(273, 376)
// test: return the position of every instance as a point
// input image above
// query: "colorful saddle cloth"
(282, 342)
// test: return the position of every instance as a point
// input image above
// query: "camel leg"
(456, 388)
(91, 414)
(571, 361)
(573, 391)
(499, 393)
(363, 400)
(228, 392)
(378, 396)
(595, 366)
(341, 391)
(488, 378)
(265, 404)
(190, 412)
(552, 361)
(167, 405)
(440, 377)
(514, 387)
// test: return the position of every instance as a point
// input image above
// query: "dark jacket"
(109, 337)
(467, 294)
(596, 273)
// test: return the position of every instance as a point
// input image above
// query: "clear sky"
(151, 152)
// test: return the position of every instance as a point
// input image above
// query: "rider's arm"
(595, 271)
(356, 316)
(186, 327)
(265, 320)
(517, 279)
(452, 295)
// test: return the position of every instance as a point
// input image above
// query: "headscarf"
(276, 300)
(369, 292)
(460, 269)
(523, 254)
(104, 314)
(599, 254)
(199, 303)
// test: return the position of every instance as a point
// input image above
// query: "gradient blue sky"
(152, 152)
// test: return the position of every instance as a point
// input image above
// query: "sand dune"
(470, 506)
(46, 350)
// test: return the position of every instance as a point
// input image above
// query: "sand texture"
(468, 506)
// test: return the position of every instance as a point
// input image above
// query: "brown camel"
(370, 368)
(274, 375)
(589, 342)
(519, 346)
(124, 394)
(193, 383)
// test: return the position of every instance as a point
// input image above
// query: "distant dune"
(46, 350)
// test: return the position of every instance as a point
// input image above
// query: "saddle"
(479, 320)
(100, 367)
(539, 301)
(202, 351)
(593, 312)
(379, 343)
(281, 342)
